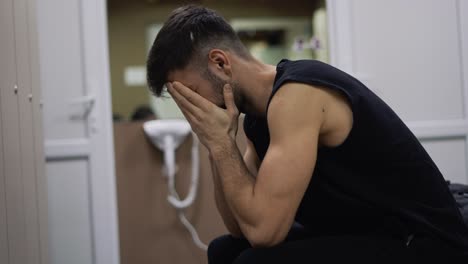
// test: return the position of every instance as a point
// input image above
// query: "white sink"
(160, 131)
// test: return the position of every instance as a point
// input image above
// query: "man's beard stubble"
(218, 85)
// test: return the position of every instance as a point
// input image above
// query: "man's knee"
(217, 245)
(277, 254)
(225, 249)
(255, 255)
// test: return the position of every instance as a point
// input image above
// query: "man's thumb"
(229, 98)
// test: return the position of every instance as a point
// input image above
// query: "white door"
(414, 55)
(78, 131)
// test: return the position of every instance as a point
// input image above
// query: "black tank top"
(379, 180)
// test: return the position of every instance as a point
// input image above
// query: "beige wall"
(149, 229)
(128, 21)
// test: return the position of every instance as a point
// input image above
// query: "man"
(330, 172)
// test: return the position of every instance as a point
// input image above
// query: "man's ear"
(220, 63)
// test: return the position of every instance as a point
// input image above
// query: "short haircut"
(186, 37)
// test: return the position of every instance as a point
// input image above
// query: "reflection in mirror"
(295, 29)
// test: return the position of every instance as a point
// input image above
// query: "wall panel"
(61, 49)
(15, 232)
(19, 174)
(450, 156)
(69, 212)
(409, 53)
(30, 248)
(7, 82)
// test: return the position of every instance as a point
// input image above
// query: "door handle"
(87, 99)
(87, 102)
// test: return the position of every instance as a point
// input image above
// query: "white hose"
(173, 196)
(191, 229)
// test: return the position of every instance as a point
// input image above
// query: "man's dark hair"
(187, 36)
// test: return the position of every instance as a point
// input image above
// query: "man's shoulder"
(296, 101)
(297, 66)
(309, 72)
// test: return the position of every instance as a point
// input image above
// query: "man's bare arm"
(252, 162)
(265, 206)
(251, 159)
(223, 209)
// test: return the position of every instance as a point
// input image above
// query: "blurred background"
(269, 30)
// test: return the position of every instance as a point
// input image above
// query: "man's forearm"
(237, 185)
(223, 209)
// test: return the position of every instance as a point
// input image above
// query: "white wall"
(411, 54)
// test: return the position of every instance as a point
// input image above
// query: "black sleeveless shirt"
(380, 179)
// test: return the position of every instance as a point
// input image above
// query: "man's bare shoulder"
(314, 106)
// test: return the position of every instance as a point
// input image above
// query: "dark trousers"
(300, 247)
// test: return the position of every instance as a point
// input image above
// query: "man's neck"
(256, 81)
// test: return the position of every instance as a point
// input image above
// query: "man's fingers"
(181, 101)
(191, 118)
(229, 99)
(191, 96)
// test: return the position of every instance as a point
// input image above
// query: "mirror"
(272, 30)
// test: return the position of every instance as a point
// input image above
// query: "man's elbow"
(264, 243)
(236, 233)
(264, 238)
